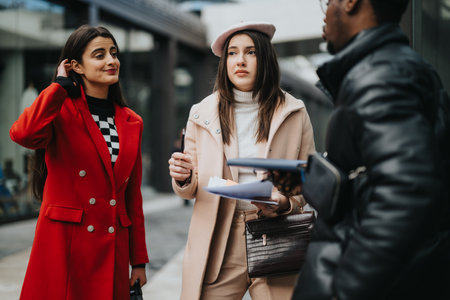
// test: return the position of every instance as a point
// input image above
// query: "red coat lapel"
(129, 143)
(95, 134)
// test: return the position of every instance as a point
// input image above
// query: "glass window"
(430, 31)
(31, 35)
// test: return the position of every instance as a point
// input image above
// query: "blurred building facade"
(166, 65)
(162, 52)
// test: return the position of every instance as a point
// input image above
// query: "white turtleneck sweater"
(246, 118)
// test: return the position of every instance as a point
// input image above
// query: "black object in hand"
(136, 291)
(287, 175)
(287, 182)
(183, 133)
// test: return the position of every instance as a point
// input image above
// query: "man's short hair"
(389, 10)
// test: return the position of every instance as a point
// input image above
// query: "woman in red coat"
(91, 224)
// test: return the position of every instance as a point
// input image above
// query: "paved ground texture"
(167, 222)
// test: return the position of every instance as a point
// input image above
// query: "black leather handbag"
(277, 246)
(136, 291)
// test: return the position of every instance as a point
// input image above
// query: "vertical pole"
(204, 72)
(417, 25)
(93, 14)
(407, 24)
(162, 112)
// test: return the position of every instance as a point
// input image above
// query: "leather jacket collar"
(333, 72)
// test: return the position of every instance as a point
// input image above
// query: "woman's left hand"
(138, 273)
(64, 68)
(270, 210)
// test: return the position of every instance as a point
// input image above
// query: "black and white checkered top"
(102, 110)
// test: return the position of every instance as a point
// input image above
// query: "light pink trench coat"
(290, 137)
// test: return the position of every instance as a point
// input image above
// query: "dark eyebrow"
(248, 47)
(103, 49)
(98, 49)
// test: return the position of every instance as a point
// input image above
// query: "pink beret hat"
(218, 43)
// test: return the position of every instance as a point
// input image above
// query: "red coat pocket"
(124, 220)
(64, 214)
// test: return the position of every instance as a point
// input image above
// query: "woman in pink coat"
(248, 115)
(91, 225)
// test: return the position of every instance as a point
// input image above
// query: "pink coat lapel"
(232, 151)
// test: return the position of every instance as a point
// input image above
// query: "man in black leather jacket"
(392, 117)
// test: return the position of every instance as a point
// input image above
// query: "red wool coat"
(91, 223)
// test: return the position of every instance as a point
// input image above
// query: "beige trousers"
(233, 280)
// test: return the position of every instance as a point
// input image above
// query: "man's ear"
(76, 67)
(351, 6)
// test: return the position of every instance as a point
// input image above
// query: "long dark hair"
(74, 49)
(266, 87)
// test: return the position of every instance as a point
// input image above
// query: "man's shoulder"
(395, 64)
(393, 72)
(394, 57)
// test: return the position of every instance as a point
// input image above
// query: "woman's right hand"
(64, 68)
(180, 166)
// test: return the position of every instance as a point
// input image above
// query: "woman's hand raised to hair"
(64, 68)
(180, 166)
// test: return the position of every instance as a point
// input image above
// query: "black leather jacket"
(394, 241)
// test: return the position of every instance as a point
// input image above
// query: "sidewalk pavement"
(12, 272)
(164, 285)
